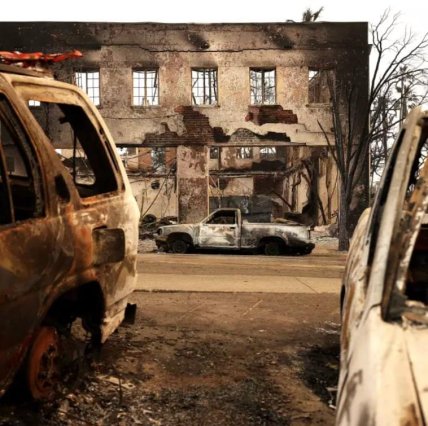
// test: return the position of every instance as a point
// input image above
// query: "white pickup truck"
(225, 229)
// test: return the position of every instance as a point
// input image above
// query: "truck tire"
(179, 246)
(272, 248)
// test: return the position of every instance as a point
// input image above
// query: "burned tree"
(399, 69)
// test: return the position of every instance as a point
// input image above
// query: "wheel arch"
(85, 301)
(271, 238)
(180, 235)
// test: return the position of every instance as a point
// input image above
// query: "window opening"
(268, 153)
(89, 82)
(204, 86)
(214, 153)
(145, 91)
(223, 218)
(244, 152)
(158, 160)
(262, 86)
(318, 90)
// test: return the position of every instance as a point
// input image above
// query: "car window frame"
(54, 92)
(34, 165)
(403, 239)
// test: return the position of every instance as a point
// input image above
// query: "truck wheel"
(306, 250)
(272, 248)
(179, 246)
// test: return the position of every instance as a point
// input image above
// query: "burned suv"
(68, 226)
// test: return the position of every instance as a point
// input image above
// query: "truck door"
(221, 229)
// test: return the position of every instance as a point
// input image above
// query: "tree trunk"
(343, 219)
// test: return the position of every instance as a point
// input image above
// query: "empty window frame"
(268, 153)
(158, 160)
(262, 86)
(318, 86)
(244, 152)
(83, 153)
(21, 191)
(145, 87)
(214, 153)
(89, 82)
(204, 86)
(223, 217)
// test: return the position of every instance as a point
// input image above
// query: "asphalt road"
(315, 273)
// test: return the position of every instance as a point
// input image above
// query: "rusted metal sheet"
(27, 59)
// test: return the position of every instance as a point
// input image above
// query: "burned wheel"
(272, 248)
(307, 250)
(179, 246)
(43, 364)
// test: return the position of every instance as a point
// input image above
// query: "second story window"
(89, 82)
(145, 85)
(318, 86)
(204, 86)
(262, 86)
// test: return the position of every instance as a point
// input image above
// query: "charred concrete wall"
(301, 175)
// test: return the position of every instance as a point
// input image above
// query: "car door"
(34, 247)
(220, 229)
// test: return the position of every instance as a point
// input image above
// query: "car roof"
(11, 69)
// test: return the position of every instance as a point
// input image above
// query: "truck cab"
(221, 229)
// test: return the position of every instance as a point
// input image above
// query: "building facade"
(218, 115)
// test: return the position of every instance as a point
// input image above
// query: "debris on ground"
(181, 366)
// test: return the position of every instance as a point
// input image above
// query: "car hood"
(181, 227)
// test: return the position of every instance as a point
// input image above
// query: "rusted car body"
(384, 339)
(67, 246)
(225, 229)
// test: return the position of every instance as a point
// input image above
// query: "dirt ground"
(205, 359)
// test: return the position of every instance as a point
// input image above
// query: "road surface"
(316, 273)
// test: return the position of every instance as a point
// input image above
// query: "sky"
(414, 12)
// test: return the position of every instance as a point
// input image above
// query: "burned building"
(213, 115)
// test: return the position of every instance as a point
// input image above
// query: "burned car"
(384, 337)
(68, 233)
(225, 229)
